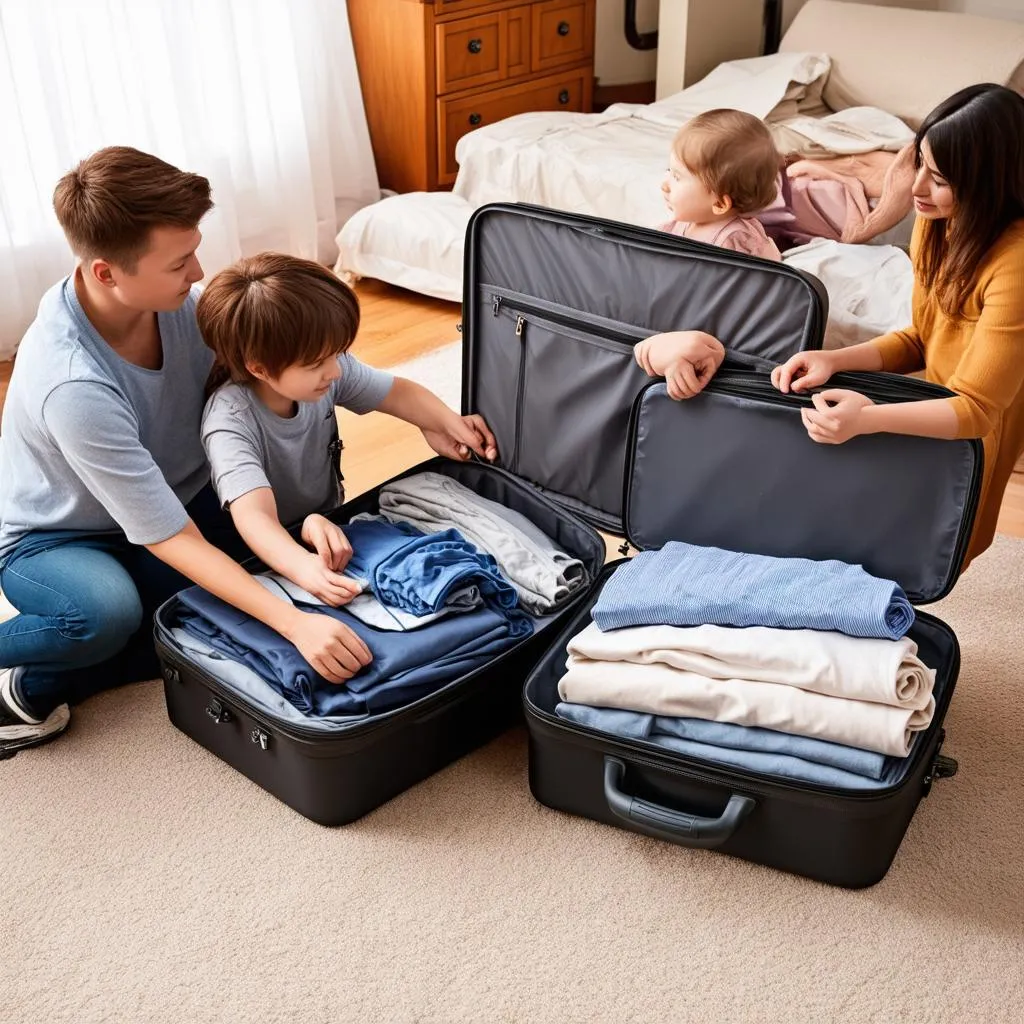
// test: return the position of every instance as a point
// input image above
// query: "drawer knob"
(563, 96)
(476, 45)
(475, 119)
(563, 28)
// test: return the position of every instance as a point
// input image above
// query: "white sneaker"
(20, 729)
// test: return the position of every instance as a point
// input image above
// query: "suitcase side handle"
(666, 823)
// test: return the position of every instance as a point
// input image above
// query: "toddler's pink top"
(744, 234)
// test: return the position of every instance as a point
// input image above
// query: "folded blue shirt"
(417, 572)
(405, 666)
(763, 751)
(686, 585)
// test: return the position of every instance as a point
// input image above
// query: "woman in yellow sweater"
(968, 302)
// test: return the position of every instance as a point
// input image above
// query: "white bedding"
(611, 165)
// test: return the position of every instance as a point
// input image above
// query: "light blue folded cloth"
(686, 585)
(762, 751)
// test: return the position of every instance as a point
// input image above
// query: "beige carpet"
(144, 881)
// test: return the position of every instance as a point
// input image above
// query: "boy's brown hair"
(112, 200)
(275, 311)
(733, 155)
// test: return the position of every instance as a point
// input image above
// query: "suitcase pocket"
(575, 387)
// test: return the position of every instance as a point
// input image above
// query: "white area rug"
(440, 371)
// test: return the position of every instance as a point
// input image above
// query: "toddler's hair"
(277, 311)
(733, 155)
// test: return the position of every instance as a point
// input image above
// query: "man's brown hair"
(733, 155)
(112, 200)
(275, 311)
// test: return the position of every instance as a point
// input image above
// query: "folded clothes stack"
(781, 666)
(545, 577)
(434, 607)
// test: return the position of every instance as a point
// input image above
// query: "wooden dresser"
(432, 70)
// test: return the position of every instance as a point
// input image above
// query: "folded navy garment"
(750, 749)
(686, 585)
(418, 572)
(405, 666)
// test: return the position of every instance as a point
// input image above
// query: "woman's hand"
(836, 416)
(328, 540)
(803, 371)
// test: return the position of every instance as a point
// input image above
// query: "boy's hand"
(329, 586)
(329, 646)
(836, 422)
(329, 541)
(458, 436)
(803, 371)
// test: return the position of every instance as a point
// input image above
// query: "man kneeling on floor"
(105, 498)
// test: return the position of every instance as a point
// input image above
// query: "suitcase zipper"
(590, 329)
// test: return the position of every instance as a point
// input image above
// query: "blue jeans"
(86, 603)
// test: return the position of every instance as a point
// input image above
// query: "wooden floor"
(398, 326)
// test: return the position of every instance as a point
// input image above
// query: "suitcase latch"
(260, 737)
(172, 675)
(216, 710)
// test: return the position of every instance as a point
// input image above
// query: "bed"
(848, 78)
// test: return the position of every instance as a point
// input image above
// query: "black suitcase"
(553, 305)
(734, 468)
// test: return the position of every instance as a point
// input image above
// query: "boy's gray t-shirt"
(249, 447)
(91, 442)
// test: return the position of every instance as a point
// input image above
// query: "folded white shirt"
(659, 689)
(877, 670)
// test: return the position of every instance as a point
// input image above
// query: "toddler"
(723, 169)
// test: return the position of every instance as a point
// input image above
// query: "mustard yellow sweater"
(981, 358)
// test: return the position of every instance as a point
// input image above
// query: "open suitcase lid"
(590, 283)
(734, 468)
(641, 276)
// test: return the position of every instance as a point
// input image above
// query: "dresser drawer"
(483, 50)
(562, 33)
(568, 91)
(458, 6)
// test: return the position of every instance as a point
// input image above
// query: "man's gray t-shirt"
(94, 443)
(249, 447)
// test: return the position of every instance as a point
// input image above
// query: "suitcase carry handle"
(665, 823)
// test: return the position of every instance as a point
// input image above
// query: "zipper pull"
(496, 305)
(519, 326)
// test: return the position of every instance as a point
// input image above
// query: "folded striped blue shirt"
(686, 585)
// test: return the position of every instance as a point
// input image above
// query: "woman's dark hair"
(976, 138)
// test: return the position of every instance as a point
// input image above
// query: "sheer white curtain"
(261, 96)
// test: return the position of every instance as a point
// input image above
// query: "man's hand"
(328, 540)
(686, 359)
(836, 416)
(329, 646)
(804, 371)
(457, 436)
